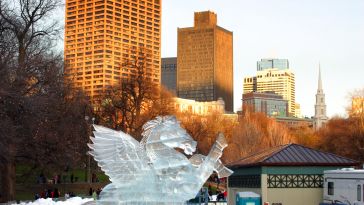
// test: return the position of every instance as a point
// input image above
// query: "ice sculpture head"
(167, 130)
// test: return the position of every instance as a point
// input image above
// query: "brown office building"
(102, 35)
(205, 61)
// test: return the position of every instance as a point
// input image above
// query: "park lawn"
(26, 181)
(24, 196)
(25, 175)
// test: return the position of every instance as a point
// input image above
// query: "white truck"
(344, 187)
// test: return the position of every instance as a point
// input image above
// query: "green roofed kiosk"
(284, 175)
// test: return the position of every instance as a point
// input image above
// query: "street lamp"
(88, 174)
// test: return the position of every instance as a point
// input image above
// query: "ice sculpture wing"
(118, 154)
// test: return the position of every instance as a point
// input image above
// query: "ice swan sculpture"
(152, 171)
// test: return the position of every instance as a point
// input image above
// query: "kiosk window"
(330, 188)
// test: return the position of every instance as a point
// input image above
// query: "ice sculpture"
(153, 171)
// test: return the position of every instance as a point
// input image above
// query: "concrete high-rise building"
(205, 61)
(169, 74)
(267, 63)
(320, 117)
(282, 82)
(101, 36)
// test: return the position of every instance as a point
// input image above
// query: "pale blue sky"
(305, 32)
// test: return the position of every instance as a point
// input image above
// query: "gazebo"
(284, 175)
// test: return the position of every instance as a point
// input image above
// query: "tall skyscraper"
(169, 74)
(320, 117)
(205, 61)
(101, 36)
(282, 82)
(268, 63)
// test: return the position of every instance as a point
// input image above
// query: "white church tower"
(320, 117)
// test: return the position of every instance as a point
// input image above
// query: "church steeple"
(319, 87)
(320, 117)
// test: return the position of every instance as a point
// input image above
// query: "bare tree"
(136, 99)
(41, 115)
(27, 24)
(343, 136)
(257, 132)
(28, 21)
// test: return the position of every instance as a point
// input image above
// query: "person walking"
(72, 178)
(94, 195)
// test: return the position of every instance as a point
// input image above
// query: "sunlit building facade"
(102, 36)
(205, 61)
(282, 82)
(298, 110)
(199, 108)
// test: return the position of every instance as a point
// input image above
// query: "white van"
(344, 186)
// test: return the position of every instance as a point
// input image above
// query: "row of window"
(109, 24)
(101, 9)
(141, 8)
(142, 4)
(108, 43)
(98, 50)
(90, 28)
(72, 2)
(81, 38)
(115, 77)
(110, 10)
(141, 23)
(109, 15)
(141, 42)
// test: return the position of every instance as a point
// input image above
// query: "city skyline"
(326, 32)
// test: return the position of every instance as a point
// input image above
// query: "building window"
(245, 181)
(330, 188)
(358, 192)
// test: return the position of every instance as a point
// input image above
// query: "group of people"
(221, 195)
(48, 193)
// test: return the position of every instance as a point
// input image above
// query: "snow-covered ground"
(49, 201)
